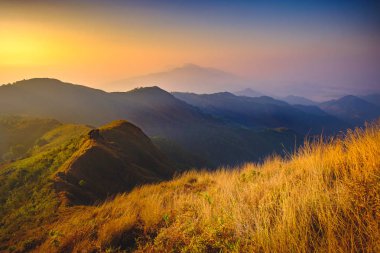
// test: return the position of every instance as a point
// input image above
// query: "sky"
(278, 44)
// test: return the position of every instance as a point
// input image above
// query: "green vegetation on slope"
(324, 198)
(27, 200)
(72, 165)
(19, 134)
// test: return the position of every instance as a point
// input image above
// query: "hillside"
(71, 165)
(324, 198)
(27, 198)
(19, 134)
(372, 98)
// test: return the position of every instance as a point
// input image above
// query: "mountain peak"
(118, 124)
(148, 89)
(248, 92)
(185, 78)
(192, 66)
(151, 92)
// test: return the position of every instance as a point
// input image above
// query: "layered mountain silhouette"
(112, 159)
(263, 112)
(157, 112)
(212, 129)
(352, 109)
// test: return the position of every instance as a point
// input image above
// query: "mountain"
(66, 102)
(351, 109)
(248, 92)
(112, 159)
(297, 100)
(262, 112)
(159, 114)
(74, 165)
(326, 196)
(189, 76)
(372, 98)
(50, 98)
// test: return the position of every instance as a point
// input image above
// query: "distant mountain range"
(212, 129)
(200, 79)
(263, 112)
(170, 122)
(297, 100)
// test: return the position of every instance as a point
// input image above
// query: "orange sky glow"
(94, 44)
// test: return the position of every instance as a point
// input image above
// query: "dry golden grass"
(324, 198)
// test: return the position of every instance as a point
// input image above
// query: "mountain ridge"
(351, 109)
(112, 159)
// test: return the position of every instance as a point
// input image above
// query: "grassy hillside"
(27, 200)
(19, 134)
(324, 198)
(71, 165)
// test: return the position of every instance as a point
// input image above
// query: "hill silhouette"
(200, 79)
(352, 109)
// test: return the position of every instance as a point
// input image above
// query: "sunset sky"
(327, 43)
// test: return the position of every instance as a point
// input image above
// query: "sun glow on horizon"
(97, 43)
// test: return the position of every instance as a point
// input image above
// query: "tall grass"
(324, 198)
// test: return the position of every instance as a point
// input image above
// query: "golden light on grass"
(325, 198)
